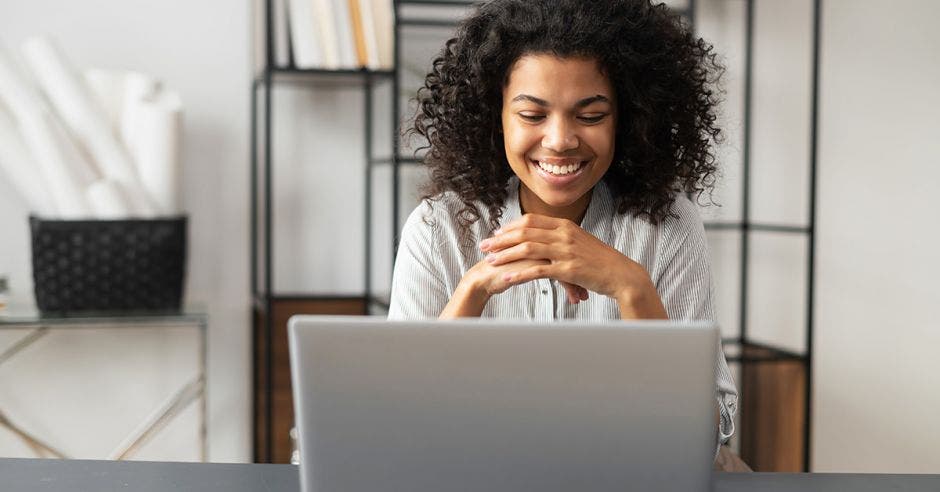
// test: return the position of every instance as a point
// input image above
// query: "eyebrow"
(542, 102)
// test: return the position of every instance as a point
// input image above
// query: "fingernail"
(497, 232)
(485, 244)
(507, 277)
(490, 258)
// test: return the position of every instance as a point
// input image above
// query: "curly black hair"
(665, 81)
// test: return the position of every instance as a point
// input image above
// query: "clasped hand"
(537, 246)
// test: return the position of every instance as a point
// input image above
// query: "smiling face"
(559, 122)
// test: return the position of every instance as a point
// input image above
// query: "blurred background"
(844, 289)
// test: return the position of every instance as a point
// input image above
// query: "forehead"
(556, 79)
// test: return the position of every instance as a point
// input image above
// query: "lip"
(559, 180)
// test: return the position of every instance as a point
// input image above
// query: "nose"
(559, 136)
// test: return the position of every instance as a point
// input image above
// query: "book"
(307, 47)
(383, 13)
(344, 34)
(358, 28)
(369, 34)
(326, 30)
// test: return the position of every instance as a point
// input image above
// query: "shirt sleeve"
(686, 289)
(418, 288)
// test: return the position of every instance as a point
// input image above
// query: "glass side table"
(36, 326)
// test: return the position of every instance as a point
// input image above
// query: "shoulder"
(436, 219)
(434, 214)
(683, 220)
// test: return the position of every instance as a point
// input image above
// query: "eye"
(592, 118)
(532, 117)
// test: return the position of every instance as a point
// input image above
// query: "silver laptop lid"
(487, 405)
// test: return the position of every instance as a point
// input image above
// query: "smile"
(560, 168)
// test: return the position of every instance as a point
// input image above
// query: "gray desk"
(22, 475)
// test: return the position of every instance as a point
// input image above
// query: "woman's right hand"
(484, 281)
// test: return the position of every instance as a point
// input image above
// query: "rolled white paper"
(156, 149)
(135, 87)
(108, 88)
(16, 91)
(61, 163)
(19, 168)
(63, 168)
(86, 119)
(107, 200)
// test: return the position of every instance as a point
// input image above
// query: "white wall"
(200, 49)
(877, 385)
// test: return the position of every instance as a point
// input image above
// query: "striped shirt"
(432, 259)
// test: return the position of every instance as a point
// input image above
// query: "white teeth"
(559, 170)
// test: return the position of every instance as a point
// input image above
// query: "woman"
(565, 139)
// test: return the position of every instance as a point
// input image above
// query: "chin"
(559, 200)
(555, 201)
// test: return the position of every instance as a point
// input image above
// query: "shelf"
(312, 75)
(431, 22)
(401, 160)
(749, 352)
(259, 299)
(29, 316)
(331, 71)
(379, 302)
(468, 3)
(440, 3)
(427, 23)
(759, 227)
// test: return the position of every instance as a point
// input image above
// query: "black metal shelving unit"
(737, 348)
(262, 220)
(263, 294)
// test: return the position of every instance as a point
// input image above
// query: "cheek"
(517, 140)
(603, 140)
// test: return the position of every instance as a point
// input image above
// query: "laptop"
(498, 406)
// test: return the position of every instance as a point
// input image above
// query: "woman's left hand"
(575, 257)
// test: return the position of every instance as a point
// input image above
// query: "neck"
(530, 203)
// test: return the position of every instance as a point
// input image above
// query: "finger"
(574, 296)
(530, 273)
(576, 293)
(571, 291)
(496, 276)
(536, 221)
(522, 251)
(516, 236)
